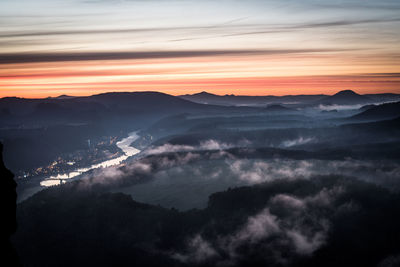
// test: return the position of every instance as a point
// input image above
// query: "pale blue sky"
(91, 25)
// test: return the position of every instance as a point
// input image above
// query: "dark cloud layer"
(58, 57)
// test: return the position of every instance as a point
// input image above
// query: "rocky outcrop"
(8, 203)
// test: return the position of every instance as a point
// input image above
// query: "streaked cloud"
(246, 47)
(56, 57)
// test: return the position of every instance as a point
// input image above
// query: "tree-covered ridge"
(324, 221)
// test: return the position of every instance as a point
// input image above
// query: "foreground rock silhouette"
(8, 207)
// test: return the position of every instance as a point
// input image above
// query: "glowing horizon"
(51, 48)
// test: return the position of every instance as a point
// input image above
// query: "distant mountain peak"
(346, 93)
(64, 97)
(345, 97)
(204, 93)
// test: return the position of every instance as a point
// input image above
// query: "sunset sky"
(246, 47)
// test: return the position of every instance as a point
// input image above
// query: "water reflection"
(124, 145)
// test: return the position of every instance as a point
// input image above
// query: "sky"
(242, 47)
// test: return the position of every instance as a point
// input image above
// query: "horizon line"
(199, 92)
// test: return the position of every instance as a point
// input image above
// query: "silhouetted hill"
(108, 106)
(238, 100)
(345, 97)
(19, 106)
(380, 112)
(205, 94)
(205, 98)
(146, 101)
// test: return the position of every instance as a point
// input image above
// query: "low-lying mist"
(187, 175)
(305, 185)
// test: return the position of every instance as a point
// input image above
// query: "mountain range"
(345, 97)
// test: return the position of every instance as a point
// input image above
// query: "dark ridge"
(247, 100)
(366, 107)
(383, 111)
(111, 229)
(146, 101)
(384, 97)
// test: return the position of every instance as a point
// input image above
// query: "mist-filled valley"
(200, 133)
(149, 179)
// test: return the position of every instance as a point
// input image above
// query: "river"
(124, 145)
